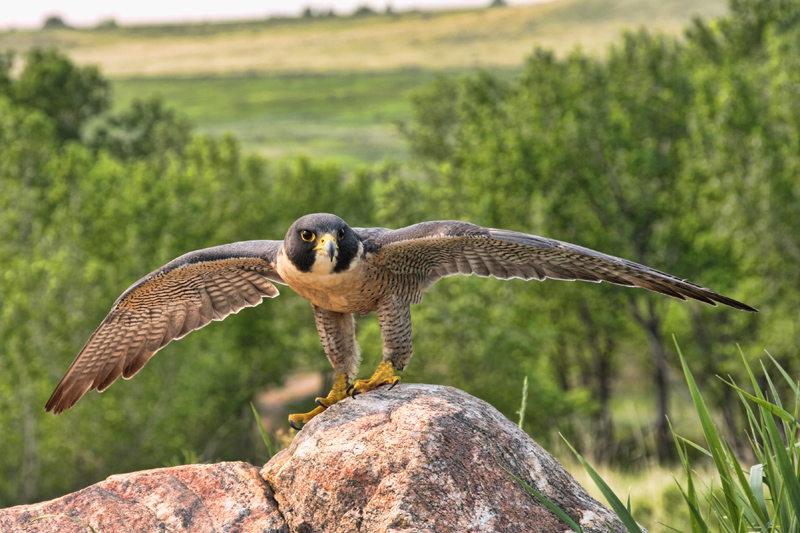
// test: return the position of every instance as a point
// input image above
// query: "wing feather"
(432, 250)
(169, 303)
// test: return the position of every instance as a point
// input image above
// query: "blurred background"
(665, 132)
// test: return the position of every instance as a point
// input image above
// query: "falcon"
(341, 271)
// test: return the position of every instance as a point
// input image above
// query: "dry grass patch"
(456, 39)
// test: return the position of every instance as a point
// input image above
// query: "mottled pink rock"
(423, 458)
(229, 497)
(417, 458)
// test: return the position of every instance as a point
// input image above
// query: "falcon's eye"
(340, 236)
(306, 235)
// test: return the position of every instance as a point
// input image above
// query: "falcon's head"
(321, 243)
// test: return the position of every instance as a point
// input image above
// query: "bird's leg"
(337, 331)
(394, 319)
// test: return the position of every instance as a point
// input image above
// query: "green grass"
(726, 493)
(346, 118)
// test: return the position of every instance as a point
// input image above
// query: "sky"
(31, 13)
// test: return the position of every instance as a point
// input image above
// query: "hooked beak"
(327, 245)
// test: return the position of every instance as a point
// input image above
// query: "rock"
(221, 497)
(423, 458)
(416, 458)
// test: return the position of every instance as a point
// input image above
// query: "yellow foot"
(383, 375)
(338, 392)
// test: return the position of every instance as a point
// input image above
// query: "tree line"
(682, 154)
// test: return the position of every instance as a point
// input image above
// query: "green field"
(347, 118)
(350, 119)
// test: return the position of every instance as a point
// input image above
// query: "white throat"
(323, 264)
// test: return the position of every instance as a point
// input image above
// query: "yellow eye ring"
(340, 236)
(307, 236)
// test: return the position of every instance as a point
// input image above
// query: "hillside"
(433, 40)
(334, 88)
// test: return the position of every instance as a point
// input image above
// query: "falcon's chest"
(349, 291)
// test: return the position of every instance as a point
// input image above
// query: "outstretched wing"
(182, 296)
(432, 250)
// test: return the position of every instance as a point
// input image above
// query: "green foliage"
(145, 129)
(363, 11)
(70, 95)
(6, 62)
(54, 23)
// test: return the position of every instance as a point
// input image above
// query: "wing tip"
(740, 306)
(66, 396)
(57, 403)
(714, 299)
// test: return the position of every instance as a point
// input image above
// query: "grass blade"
(784, 464)
(698, 523)
(612, 499)
(786, 376)
(693, 445)
(72, 518)
(714, 443)
(783, 414)
(751, 508)
(757, 486)
(267, 441)
(521, 411)
(549, 504)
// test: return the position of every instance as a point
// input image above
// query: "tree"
(363, 11)
(145, 129)
(69, 94)
(6, 63)
(54, 22)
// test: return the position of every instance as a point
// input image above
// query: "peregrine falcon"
(341, 271)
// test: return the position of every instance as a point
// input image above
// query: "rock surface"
(423, 458)
(416, 458)
(220, 497)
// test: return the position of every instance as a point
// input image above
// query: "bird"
(341, 271)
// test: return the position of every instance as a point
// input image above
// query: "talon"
(337, 393)
(384, 375)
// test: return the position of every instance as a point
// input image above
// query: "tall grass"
(766, 496)
(763, 497)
